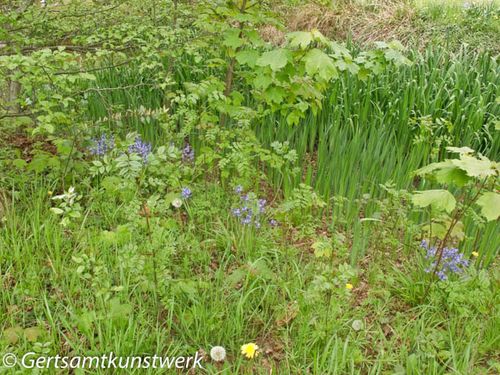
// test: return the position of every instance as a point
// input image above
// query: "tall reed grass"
(366, 133)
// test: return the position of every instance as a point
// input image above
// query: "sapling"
(477, 180)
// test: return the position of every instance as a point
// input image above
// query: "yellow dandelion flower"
(475, 254)
(49, 193)
(250, 350)
(349, 286)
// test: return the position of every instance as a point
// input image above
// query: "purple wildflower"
(251, 209)
(186, 193)
(262, 205)
(247, 219)
(273, 223)
(187, 153)
(102, 145)
(452, 261)
(247, 210)
(141, 148)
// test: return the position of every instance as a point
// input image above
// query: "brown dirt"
(28, 145)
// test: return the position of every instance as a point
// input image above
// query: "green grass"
(277, 301)
(364, 136)
(402, 119)
(187, 279)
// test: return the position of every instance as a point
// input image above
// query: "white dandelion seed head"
(357, 325)
(176, 203)
(218, 353)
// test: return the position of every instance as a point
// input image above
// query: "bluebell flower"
(102, 145)
(251, 209)
(452, 261)
(187, 153)
(143, 149)
(186, 193)
(247, 219)
(247, 211)
(262, 205)
(442, 275)
(111, 143)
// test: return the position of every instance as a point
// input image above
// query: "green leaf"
(437, 230)
(458, 231)
(440, 227)
(276, 59)
(38, 164)
(460, 150)
(12, 334)
(253, 37)
(300, 39)
(19, 163)
(363, 73)
(111, 183)
(169, 198)
(475, 167)
(85, 320)
(57, 210)
(117, 237)
(441, 200)
(317, 36)
(294, 117)
(232, 38)
(318, 62)
(429, 169)
(322, 248)
(262, 81)
(247, 57)
(274, 94)
(32, 333)
(451, 175)
(490, 205)
(448, 172)
(396, 57)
